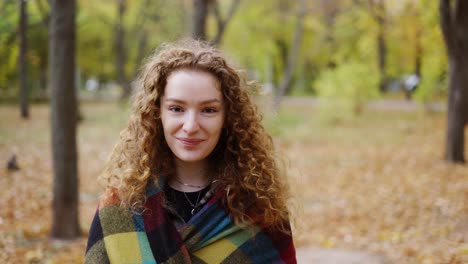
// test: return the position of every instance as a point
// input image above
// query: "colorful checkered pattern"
(118, 235)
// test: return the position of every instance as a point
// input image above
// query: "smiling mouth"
(190, 142)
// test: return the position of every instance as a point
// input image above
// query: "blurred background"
(357, 95)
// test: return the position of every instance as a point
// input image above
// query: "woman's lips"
(190, 141)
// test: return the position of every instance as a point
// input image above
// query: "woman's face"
(192, 114)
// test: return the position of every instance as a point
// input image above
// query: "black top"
(184, 202)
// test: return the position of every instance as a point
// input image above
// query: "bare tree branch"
(223, 22)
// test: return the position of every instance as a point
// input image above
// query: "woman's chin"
(191, 158)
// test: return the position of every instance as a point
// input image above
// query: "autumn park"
(366, 102)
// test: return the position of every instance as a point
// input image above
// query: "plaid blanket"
(118, 235)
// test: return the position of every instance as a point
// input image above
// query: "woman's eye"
(210, 110)
(175, 109)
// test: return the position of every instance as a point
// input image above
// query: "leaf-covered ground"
(376, 183)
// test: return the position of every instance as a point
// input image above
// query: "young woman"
(193, 178)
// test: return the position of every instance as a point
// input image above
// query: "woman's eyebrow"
(173, 100)
(214, 100)
(209, 101)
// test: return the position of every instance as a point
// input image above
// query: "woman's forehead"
(194, 86)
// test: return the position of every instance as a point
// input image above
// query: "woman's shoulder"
(109, 198)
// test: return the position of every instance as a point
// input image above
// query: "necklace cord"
(191, 185)
(194, 206)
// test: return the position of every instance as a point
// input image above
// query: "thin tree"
(222, 22)
(418, 49)
(142, 33)
(62, 30)
(200, 14)
(454, 25)
(22, 64)
(120, 51)
(293, 54)
(329, 10)
(43, 8)
(378, 11)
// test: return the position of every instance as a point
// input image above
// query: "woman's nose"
(191, 123)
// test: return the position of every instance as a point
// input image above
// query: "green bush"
(349, 86)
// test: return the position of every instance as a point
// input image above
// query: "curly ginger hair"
(243, 160)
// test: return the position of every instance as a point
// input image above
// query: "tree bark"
(121, 55)
(457, 111)
(62, 30)
(200, 14)
(22, 64)
(292, 56)
(454, 25)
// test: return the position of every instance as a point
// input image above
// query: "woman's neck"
(190, 176)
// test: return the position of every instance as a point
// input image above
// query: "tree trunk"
(121, 55)
(292, 56)
(22, 64)
(419, 53)
(139, 27)
(279, 65)
(417, 64)
(379, 15)
(142, 40)
(381, 57)
(454, 25)
(200, 14)
(329, 11)
(65, 223)
(457, 111)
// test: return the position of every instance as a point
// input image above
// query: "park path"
(336, 256)
(314, 255)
